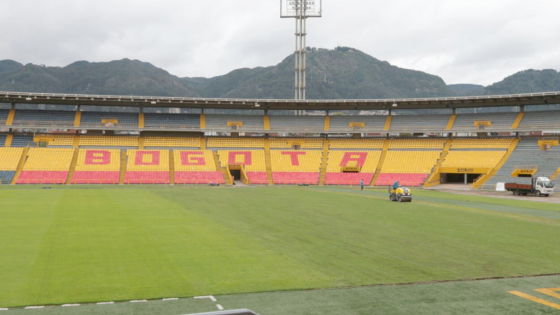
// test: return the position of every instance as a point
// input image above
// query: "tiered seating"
(109, 141)
(374, 123)
(295, 167)
(528, 152)
(95, 119)
(21, 141)
(3, 140)
(172, 142)
(60, 140)
(297, 123)
(415, 123)
(196, 167)
(481, 143)
(409, 167)
(171, 121)
(9, 160)
(147, 167)
(235, 143)
(356, 144)
(417, 144)
(540, 120)
(366, 160)
(220, 122)
(4, 116)
(46, 166)
(286, 143)
(502, 121)
(253, 162)
(97, 167)
(44, 118)
(473, 159)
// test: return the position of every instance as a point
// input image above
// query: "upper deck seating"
(3, 140)
(364, 144)
(44, 118)
(372, 123)
(95, 120)
(540, 120)
(527, 153)
(171, 121)
(235, 143)
(46, 166)
(21, 140)
(9, 160)
(4, 116)
(60, 140)
(411, 144)
(248, 122)
(100, 166)
(147, 167)
(297, 123)
(109, 141)
(196, 167)
(492, 144)
(416, 123)
(499, 121)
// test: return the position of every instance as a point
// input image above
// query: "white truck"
(540, 186)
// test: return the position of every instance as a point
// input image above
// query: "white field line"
(138, 301)
(219, 307)
(211, 297)
(4, 309)
(170, 299)
(105, 303)
(34, 307)
(65, 305)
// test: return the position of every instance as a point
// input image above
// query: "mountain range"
(340, 73)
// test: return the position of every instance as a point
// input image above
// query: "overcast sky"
(462, 41)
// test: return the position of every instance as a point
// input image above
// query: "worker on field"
(362, 184)
(396, 185)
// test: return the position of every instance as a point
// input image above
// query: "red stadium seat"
(295, 178)
(95, 177)
(155, 177)
(257, 177)
(412, 180)
(348, 178)
(199, 178)
(42, 177)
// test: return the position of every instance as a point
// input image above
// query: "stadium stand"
(108, 141)
(3, 140)
(374, 123)
(297, 123)
(44, 118)
(97, 167)
(196, 167)
(9, 159)
(409, 167)
(364, 162)
(20, 141)
(112, 119)
(473, 159)
(481, 143)
(3, 116)
(526, 153)
(296, 167)
(540, 120)
(235, 143)
(171, 121)
(59, 140)
(466, 122)
(288, 143)
(417, 144)
(415, 123)
(228, 122)
(252, 161)
(46, 166)
(172, 142)
(364, 144)
(147, 167)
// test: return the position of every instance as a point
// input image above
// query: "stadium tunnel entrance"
(457, 178)
(235, 174)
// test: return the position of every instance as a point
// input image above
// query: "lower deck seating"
(252, 161)
(409, 167)
(196, 167)
(46, 166)
(296, 167)
(9, 160)
(257, 177)
(6, 177)
(365, 163)
(147, 167)
(348, 178)
(412, 180)
(294, 178)
(101, 166)
(193, 177)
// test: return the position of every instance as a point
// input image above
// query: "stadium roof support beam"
(279, 104)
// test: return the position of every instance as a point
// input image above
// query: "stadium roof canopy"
(277, 104)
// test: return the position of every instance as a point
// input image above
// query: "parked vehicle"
(540, 186)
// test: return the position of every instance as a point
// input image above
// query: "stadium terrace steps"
(386, 144)
(267, 161)
(20, 165)
(73, 166)
(6, 177)
(435, 177)
(324, 162)
(482, 180)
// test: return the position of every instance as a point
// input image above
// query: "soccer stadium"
(228, 204)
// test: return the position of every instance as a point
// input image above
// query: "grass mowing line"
(521, 217)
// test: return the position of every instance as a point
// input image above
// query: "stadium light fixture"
(153, 103)
(28, 99)
(395, 104)
(257, 105)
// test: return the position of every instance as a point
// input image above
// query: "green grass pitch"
(91, 245)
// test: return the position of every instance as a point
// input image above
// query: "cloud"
(461, 41)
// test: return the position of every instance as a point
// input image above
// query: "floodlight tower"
(301, 10)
